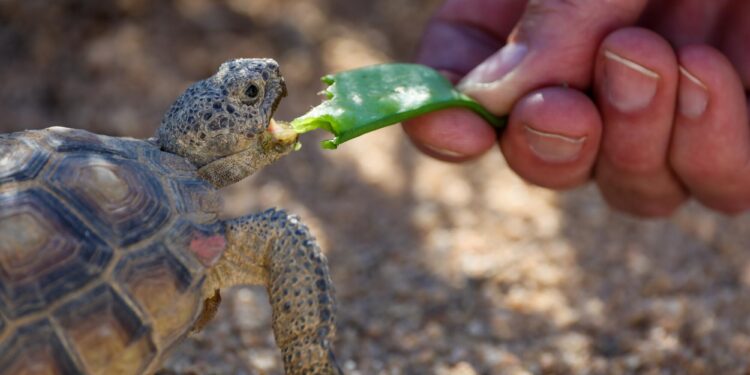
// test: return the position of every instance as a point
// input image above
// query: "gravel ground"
(440, 269)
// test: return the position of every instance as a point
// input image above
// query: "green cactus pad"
(366, 99)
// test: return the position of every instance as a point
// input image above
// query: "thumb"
(553, 43)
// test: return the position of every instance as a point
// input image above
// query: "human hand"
(668, 115)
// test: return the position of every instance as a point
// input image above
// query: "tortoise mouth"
(282, 132)
(279, 138)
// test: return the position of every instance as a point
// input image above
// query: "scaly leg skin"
(277, 250)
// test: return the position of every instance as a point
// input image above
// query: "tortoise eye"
(252, 91)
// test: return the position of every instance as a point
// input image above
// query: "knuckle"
(626, 162)
(647, 199)
(657, 210)
(585, 8)
(726, 208)
(648, 209)
(703, 174)
(556, 6)
(727, 205)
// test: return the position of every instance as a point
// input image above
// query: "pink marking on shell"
(208, 249)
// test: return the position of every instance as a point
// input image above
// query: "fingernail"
(692, 98)
(554, 148)
(443, 151)
(629, 86)
(495, 67)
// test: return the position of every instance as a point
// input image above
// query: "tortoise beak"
(281, 93)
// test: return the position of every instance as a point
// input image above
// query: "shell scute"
(169, 164)
(66, 140)
(46, 252)
(20, 159)
(196, 197)
(35, 349)
(124, 202)
(68, 300)
(162, 286)
(107, 334)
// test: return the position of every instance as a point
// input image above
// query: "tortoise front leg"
(277, 250)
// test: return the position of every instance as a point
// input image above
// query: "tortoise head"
(227, 113)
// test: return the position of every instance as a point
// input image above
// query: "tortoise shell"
(101, 263)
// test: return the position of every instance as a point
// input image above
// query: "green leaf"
(366, 99)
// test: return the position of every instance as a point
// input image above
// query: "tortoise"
(112, 251)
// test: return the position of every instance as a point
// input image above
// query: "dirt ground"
(440, 269)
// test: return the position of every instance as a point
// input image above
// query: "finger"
(734, 41)
(460, 36)
(636, 84)
(451, 135)
(711, 138)
(684, 22)
(465, 32)
(555, 42)
(552, 138)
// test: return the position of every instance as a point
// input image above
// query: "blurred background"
(440, 269)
